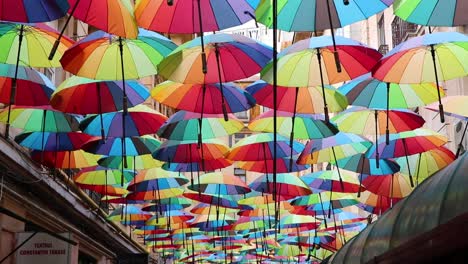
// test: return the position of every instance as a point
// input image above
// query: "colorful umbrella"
(25, 11)
(141, 162)
(428, 58)
(102, 176)
(393, 185)
(75, 159)
(283, 165)
(210, 165)
(185, 125)
(409, 143)
(425, 164)
(128, 213)
(432, 13)
(287, 184)
(219, 200)
(219, 183)
(310, 16)
(139, 120)
(52, 141)
(134, 146)
(300, 65)
(155, 195)
(28, 82)
(189, 151)
(328, 180)
(157, 179)
(79, 95)
(376, 204)
(174, 203)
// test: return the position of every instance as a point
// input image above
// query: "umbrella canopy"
(308, 98)
(305, 126)
(105, 189)
(102, 176)
(428, 58)
(128, 213)
(363, 121)
(39, 118)
(259, 147)
(52, 141)
(35, 40)
(181, 16)
(432, 13)
(32, 88)
(312, 15)
(185, 125)
(393, 186)
(157, 179)
(97, 56)
(33, 11)
(300, 65)
(134, 146)
(369, 92)
(362, 165)
(286, 184)
(209, 165)
(323, 201)
(333, 148)
(79, 95)
(219, 200)
(425, 164)
(75, 159)
(219, 183)
(454, 106)
(330, 181)
(283, 165)
(139, 120)
(141, 162)
(376, 204)
(229, 57)
(153, 195)
(169, 204)
(114, 17)
(189, 151)
(203, 98)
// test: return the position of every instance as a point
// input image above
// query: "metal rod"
(200, 140)
(57, 41)
(203, 55)
(407, 162)
(291, 139)
(460, 145)
(337, 169)
(125, 106)
(325, 105)
(387, 131)
(376, 119)
(335, 51)
(441, 106)
(275, 98)
(103, 136)
(360, 175)
(221, 87)
(14, 83)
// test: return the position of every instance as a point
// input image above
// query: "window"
(381, 30)
(242, 115)
(85, 259)
(402, 30)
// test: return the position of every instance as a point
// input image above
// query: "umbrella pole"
(391, 191)
(407, 162)
(125, 103)
(417, 169)
(44, 116)
(14, 83)
(441, 106)
(335, 51)
(376, 118)
(360, 175)
(460, 145)
(275, 99)
(325, 106)
(218, 63)
(266, 171)
(57, 41)
(291, 139)
(98, 86)
(200, 121)
(268, 210)
(337, 169)
(323, 209)
(203, 55)
(387, 131)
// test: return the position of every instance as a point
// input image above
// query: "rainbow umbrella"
(210, 165)
(408, 143)
(139, 120)
(323, 201)
(455, 107)
(105, 189)
(189, 151)
(114, 17)
(128, 213)
(79, 95)
(428, 58)
(97, 56)
(328, 180)
(287, 184)
(300, 65)
(25, 11)
(376, 204)
(393, 185)
(368, 92)
(333, 148)
(135, 146)
(188, 17)
(37, 38)
(28, 82)
(362, 165)
(365, 122)
(102, 176)
(70, 159)
(52, 141)
(156, 179)
(203, 209)
(283, 165)
(175, 217)
(155, 195)
(303, 15)
(432, 13)
(168, 204)
(140, 162)
(185, 125)
(219, 200)
(425, 164)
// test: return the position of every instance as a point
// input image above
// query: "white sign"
(42, 249)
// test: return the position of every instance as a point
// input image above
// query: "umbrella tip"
(346, 2)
